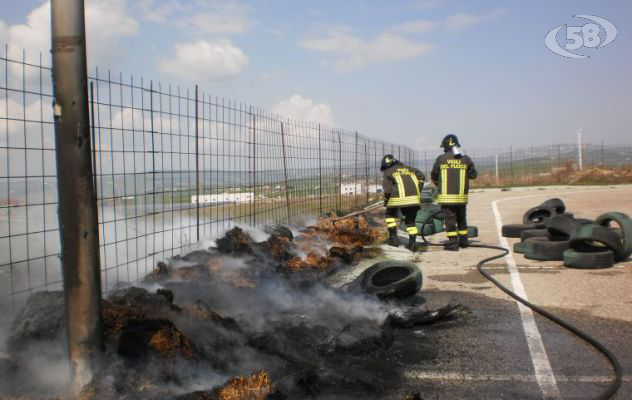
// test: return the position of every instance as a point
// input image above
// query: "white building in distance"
(224, 198)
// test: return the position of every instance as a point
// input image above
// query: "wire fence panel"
(174, 168)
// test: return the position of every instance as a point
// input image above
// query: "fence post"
(287, 192)
(253, 212)
(77, 203)
(497, 176)
(197, 168)
(339, 173)
(355, 173)
(320, 174)
(366, 173)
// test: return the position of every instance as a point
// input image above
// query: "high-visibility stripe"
(452, 234)
(444, 182)
(390, 219)
(391, 225)
(461, 182)
(400, 185)
(412, 230)
(463, 232)
(416, 182)
(403, 201)
(452, 198)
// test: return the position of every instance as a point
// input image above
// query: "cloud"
(107, 23)
(204, 16)
(462, 21)
(205, 60)
(416, 26)
(354, 53)
(227, 19)
(303, 109)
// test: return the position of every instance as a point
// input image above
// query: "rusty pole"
(320, 175)
(77, 202)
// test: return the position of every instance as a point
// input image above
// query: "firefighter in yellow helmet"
(452, 173)
(402, 192)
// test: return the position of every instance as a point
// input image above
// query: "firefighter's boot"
(412, 243)
(393, 240)
(463, 241)
(452, 244)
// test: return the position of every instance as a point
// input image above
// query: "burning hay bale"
(252, 387)
(361, 230)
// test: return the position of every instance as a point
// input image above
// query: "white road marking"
(543, 371)
(462, 376)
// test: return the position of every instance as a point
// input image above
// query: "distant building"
(375, 189)
(351, 188)
(224, 198)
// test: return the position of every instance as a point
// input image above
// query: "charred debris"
(241, 320)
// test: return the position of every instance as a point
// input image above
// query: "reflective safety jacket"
(452, 176)
(402, 186)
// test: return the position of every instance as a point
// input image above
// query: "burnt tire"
(625, 225)
(472, 231)
(515, 230)
(543, 249)
(518, 247)
(561, 226)
(556, 204)
(599, 237)
(589, 258)
(529, 233)
(538, 215)
(391, 279)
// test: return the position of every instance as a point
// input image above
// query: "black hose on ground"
(616, 366)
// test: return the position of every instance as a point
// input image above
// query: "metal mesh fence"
(176, 167)
(173, 168)
(558, 164)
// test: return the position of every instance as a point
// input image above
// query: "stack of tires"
(436, 224)
(549, 233)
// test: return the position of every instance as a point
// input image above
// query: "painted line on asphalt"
(543, 370)
(462, 376)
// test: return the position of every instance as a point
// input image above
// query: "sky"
(406, 71)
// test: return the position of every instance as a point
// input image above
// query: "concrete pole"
(77, 203)
(497, 180)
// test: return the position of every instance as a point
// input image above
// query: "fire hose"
(616, 366)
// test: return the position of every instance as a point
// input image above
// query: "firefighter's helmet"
(387, 161)
(450, 141)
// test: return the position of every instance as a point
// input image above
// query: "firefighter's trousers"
(455, 219)
(409, 213)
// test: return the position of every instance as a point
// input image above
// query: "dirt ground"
(495, 351)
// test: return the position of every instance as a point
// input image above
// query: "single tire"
(538, 214)
(515, 230)
(518, 247)
(556, 204)
(589, 258)
(598, 236)
(428, 229)
(391, 279)
(529, 233)
(625, 225)
(542, 249)
(472, 231)
(570, 215)
(561, 226)
(585, 221)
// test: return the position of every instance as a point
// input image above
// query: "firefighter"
(452, 173)
(402, 192)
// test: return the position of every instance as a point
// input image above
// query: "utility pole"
(579, 149)
(78, 224)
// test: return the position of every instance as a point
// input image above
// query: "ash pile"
(240, 320)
